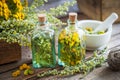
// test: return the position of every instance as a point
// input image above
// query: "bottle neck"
(41, 24)
(71, 25)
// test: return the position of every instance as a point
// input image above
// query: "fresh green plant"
(17, 25)
(43, 50)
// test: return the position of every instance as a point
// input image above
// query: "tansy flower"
(74, 50)
(72, 43)
(21, 68)
(101, 32)
(15, 16)
(22, 16)
(72, 63)
(62, 51)
(78, 62)
(1, 14)
(75, 34)
(14, 74)
(15, 1)
(3, 1)
(28, 67)
(89, 29)
(75, 37)
(18, 72)
(24, 66)
(61, 36)
(61, 41)
(0, 4)
(5, 6)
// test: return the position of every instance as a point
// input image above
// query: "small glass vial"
(43, 47)
(71, 43)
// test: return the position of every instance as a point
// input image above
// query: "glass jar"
(71, 43)
(43, 47)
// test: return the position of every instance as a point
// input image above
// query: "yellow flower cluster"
(19, 14)
(16, 73)
(25, 67)
(70, 38)
(71, 49)
(4, 10)
(12, 9)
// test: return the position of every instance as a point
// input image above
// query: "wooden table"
(101, 73)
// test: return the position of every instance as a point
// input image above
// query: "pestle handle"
(111, 19)
(107, 22)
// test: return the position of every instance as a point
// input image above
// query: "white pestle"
(107, 23)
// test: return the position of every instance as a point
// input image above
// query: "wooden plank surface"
(26, 58)
(92, 8)
(9, 52)
(109, 6)
(99, 9)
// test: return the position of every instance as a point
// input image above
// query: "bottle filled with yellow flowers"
(71, 43)
(43, 48)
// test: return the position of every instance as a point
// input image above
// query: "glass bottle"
(43, 47)
(71, 43)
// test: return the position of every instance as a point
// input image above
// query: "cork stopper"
(72, 17)
(42, 17)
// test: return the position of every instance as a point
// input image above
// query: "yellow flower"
(63, 32)
(3, 1)
(72, 43)
(15, 1)
(61, 41)
(22, 16)
(75, 37)
(14, 74)
(101, 32)
(62, 51)
(24, 66)
(72, 63)
(18, 72)
(1, 14)
(75, 34)
(78, 62)
(73, 50)
(61, 36)
(89, 29)
(5, 6)
(0, 4)
(6, 16)
(15, 16)
(28, 67)
(21, 68)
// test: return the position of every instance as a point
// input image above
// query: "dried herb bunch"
(17, 20)
(84, 67)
